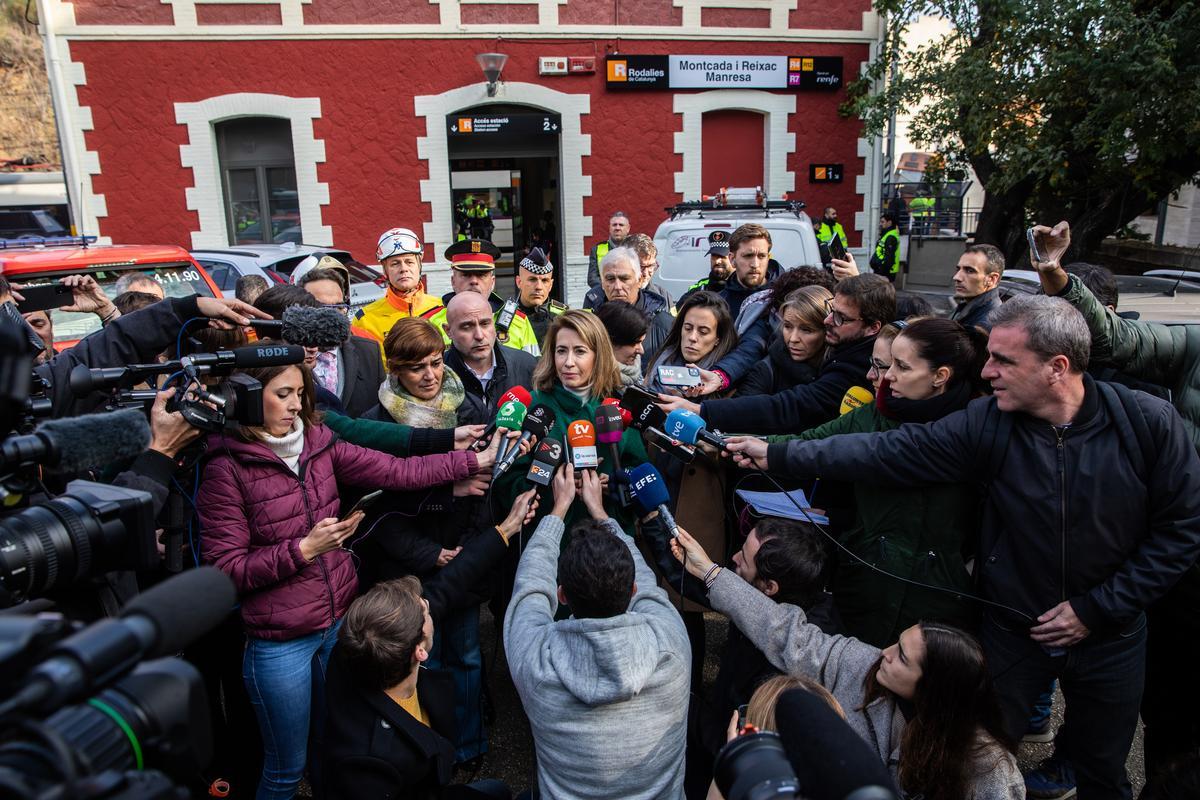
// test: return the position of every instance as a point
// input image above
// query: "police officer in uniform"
(719, 266)
(473, 269)
(535, 280)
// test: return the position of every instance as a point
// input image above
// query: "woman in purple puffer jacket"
(268, 504)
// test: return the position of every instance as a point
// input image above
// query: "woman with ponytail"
(925, 535)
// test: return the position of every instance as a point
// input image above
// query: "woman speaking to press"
(267, 503)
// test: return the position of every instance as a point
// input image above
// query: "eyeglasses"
(839, 318)
(879, 366)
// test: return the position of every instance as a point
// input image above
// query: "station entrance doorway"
(504, 184)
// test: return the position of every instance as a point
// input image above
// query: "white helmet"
(397, 241)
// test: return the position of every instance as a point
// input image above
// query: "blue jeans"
(456, 649)
(1101, 679)
(286, 681)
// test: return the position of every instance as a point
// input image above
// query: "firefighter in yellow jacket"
(399, 252)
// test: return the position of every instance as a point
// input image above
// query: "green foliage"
(1059, 103)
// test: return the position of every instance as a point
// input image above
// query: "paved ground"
(511, 758)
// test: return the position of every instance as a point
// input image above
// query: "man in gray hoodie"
(606, 690)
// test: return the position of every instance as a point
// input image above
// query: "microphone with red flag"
(518, 394)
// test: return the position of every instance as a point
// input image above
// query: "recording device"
(1035, 252)
(145, 725)
(815, 755)
(538, 422)
(650, 494)
(689, 428)
(836, 248)
(581, 437)
(305, 326)
(45, 297)
(511, 417)
(505, 318)
(626, 417)
(684, 377)
(547, 457)
(610, 427)
(83, 380)
(363, 503)
(855, 397)
(518, 393)
(741, 716)
(78, 444)
(648, 418)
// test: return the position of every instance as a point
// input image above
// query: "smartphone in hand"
(1035, 252)
(363, 503)
(837, 249)
(45, 297)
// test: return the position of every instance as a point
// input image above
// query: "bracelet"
(501, 532)
(110, 316)
(709, 576)
(724, 379)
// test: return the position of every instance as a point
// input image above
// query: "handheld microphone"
(626, 416)
(538, 422)
(855, 397)
(650, 420)
(581, 436)
(518, 393)
(510, 417)
(546, 459)
(157, 623)
(610, 426)
(306, 326)
(650, 494)
(76, 444)
(689, 429)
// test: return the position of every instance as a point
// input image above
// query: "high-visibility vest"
(921, 207)
(881, 251)
(825, 233)
(601, 251)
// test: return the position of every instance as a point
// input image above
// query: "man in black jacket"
(862, 305)
(390, 723)
(1092, 514)
(487, 369)
(976, 281)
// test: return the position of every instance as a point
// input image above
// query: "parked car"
(20, 223)
(277, 262)
(682, 239)
(1155, 298)
(40, 261)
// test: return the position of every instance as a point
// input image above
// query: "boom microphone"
(537, 423)
(518, 393)
(546, 458)
(76, 444)
(306, 326)
(581, 436)
(84, 380)
(689, 429)
(650, 494)
(158, 623)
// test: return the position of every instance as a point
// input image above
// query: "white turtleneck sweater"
(289, 446)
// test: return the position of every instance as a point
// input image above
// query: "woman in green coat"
(925, 534)
(576, 372)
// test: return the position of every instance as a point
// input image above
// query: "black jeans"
(1169, 707)
(1101, 678)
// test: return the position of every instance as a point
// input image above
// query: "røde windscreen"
(538, 422)
(160, 622)
(650, 494)
(84, 380)
(518, 393)
(76, 444)
(306, 326)
(547, 456)
(581, 436)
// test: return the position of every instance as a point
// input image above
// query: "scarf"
(289, 446)
(631, 373)
(440, 412)
(904, 410)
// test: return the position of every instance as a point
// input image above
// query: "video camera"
(208, 404)
(103, 711)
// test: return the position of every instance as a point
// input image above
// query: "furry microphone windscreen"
(315, 327)
(94, 440)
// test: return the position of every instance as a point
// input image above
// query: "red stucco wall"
(370, 128)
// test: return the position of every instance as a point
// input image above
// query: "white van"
(682, 240)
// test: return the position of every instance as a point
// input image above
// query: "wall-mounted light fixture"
(492, 65)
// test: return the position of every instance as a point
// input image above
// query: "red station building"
(208, 123)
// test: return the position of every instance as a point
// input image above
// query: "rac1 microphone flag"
(650, 494)
(581, 436)
(689, 429)
(546, 459)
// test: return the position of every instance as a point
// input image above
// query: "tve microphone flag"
(689, 429)
(581, 436)
(546, 458)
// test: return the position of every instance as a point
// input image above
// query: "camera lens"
(755, 767)
(93, 528)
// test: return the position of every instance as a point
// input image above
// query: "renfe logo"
(618, 70)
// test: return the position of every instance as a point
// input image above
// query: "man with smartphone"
(976, 285)
(74, 293)
(828, 230)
